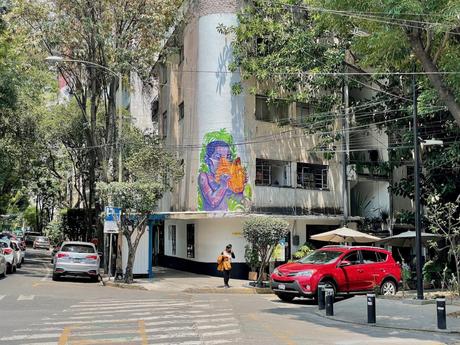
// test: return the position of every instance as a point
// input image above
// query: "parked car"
(20, 253)
(29, 237)
(10, 255)
(41, 242)
(2, 264)
(77, 259)
(346, 269)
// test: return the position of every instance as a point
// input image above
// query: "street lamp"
(418, 225)
(57, 59)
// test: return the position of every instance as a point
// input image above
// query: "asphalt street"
(34, 310)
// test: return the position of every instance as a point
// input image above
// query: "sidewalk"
(167, 279)
(396, 314)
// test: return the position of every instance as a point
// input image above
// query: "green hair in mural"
(222, 180)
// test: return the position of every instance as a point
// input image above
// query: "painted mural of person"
(215, 185)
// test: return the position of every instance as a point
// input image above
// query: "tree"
(444, 219)
(263, 234)
(385, 36)
(122, 36)
(151, 172)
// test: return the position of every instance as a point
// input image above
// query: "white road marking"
(26, 297)
(172, 316)
(2, 297)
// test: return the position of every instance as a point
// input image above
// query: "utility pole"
(418, 227)
(345, 148)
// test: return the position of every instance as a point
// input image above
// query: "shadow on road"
(305, 310)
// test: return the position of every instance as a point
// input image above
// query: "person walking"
(224, 262)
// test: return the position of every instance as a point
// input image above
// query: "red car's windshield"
(321, 257)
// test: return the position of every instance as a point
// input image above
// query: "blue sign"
(112, 216)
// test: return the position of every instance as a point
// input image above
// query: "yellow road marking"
(142, 332)
(63, 339)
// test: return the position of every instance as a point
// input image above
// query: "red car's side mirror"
(344, 263)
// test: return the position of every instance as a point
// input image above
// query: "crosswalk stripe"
(146, 305)
(26, 297)
(140, 309)
(209, 316)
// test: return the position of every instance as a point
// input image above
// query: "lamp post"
(418, 225)
(58, 59)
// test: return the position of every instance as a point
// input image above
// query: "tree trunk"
(444, 92)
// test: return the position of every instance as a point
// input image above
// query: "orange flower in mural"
(236, 172)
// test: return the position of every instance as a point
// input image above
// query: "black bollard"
(321, 297)
(329, 293)
(371, 315)
(441, 311)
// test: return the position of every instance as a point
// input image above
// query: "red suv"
(344, 268)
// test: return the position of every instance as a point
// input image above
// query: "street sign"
(112, 215)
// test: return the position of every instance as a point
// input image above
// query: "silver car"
(2, 264)
(76, 259)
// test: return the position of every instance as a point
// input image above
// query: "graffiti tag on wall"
(222, 180)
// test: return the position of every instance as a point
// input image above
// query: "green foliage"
(444, 219)
(252, 258)
(54, 231)
(303, 251)
(263, 234)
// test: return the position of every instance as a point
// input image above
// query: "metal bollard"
(371, 314)
(321, 297)
(329, 293)
(441, 311)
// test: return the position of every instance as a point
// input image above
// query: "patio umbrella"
(344, 234)
(407, 239)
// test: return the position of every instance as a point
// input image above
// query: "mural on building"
(222, 181)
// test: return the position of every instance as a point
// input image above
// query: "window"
(303, 111)
(273, 173)
(163, 75)
(190, 240)
(353, 258)
(172, 238)
(369, 257)
(312, 176)
(271, 112)
(181, 54)
(164, 124)
(155, 107)
(181, 111)
(381, 257)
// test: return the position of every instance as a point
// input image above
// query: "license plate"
(77, 260)
(282, 287)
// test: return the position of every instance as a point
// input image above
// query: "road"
(34, 310)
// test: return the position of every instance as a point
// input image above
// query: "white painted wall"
(141, 261)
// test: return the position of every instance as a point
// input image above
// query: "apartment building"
(273, 164)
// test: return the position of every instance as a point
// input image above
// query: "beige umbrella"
(344, 234)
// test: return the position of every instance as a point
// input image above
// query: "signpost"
(112, 218)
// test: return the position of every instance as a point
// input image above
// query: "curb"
(124, 286)
(237, 290)
(318, 313)
(242, 291)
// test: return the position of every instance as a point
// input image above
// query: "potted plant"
(252, 260)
